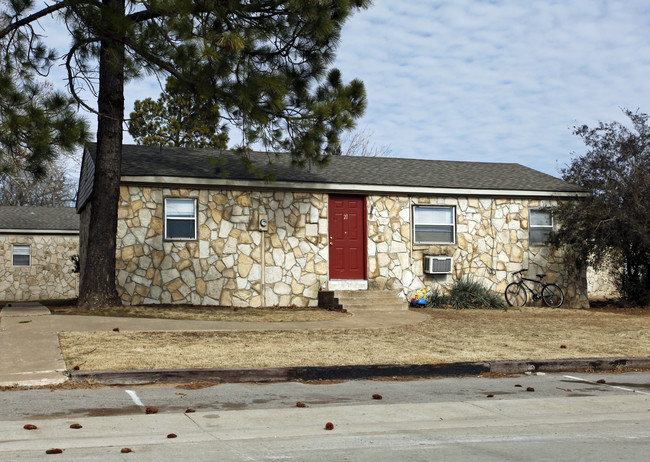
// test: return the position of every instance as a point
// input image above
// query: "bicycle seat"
(541, 276)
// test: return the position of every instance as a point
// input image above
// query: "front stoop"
(370, 300)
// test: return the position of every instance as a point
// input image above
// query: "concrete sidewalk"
(29, 345)
(29, 349)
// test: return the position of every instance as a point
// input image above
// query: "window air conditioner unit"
(437, 265)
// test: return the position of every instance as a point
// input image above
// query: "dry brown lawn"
(447, 336)
(203, 313)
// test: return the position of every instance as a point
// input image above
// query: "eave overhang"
(213, 183)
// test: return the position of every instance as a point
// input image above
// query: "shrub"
(466, 293)
(438, 300)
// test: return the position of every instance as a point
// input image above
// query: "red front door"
(347, 233)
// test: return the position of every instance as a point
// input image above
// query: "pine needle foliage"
(466, 293)
(37, 124)
(177, 118)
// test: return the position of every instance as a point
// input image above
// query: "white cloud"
(496, 81)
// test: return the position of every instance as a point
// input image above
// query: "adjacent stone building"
(36, 249)
(195, 230)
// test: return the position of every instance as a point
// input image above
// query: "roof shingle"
(39, 218)
(152, 161)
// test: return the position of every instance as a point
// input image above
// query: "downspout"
(410, 199)
(263, 283)
(493, 257)
(411, 237)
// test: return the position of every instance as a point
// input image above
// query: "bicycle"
(516, 294)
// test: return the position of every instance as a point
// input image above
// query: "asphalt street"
(44, 403)
(538, 417)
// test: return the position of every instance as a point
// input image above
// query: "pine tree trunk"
(98, 281)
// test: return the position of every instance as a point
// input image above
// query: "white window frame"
(432, 223)
(532, 227)
(22, 247)
(180, 218)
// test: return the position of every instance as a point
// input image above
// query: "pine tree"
(37, 124)
(177, 119)
(262, 62)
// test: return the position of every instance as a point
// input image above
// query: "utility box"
(437, 265)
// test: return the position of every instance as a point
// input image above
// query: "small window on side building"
(540, 227)
(21, 255)
(180, 219)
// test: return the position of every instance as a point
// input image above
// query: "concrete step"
(367, 294)
(370, 300)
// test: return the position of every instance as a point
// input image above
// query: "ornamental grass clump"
(438, 300)
(466, 293)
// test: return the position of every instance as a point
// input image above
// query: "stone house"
(36, 246)
(194, 226)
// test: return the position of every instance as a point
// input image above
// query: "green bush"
(438, 300)
(466, 293)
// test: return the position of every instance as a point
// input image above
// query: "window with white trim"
(21, 255)
(180, 219)
(540, 226)
(434, 225)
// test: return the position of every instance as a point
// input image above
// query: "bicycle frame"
(536, 290)
(551, 294)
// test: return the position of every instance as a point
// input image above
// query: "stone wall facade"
(50, 275)
(602, 283)
(492, 241)
(235, 263)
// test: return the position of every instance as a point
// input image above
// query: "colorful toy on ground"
(419, 299)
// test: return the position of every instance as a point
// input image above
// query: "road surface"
(562, 417)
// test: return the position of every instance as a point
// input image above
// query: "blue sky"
(495, 81)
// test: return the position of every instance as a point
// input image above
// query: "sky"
(491, 81)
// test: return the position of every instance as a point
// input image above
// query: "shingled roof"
(154, 161)
(373, 175)
(39, 220)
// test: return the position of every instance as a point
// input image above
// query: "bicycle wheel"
(516, 294)
(552, 296)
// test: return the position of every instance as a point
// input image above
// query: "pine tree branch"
(145, 15)
(71, 77)
(44, 12)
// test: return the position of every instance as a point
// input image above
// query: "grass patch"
(208, 313)
(446, 336)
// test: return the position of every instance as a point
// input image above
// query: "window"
(540, 227)
(22, 255)
(434, 225)
(180, 219)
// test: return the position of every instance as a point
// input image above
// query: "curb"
(287, 374)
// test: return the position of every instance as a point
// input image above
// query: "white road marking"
(134, 397)
(39, 372)
(570, 377)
